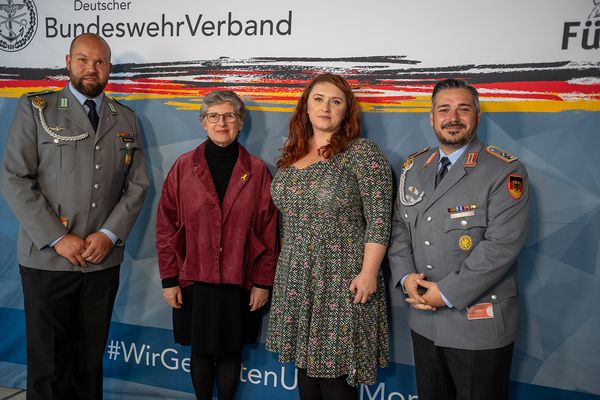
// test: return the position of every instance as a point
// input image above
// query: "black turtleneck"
(221, 161)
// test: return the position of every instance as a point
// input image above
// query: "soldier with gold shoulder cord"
(74, 175)
(458, 227)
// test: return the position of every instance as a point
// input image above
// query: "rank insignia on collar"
(471, 159)
(112, 108)
(63, 103)
(430, 159)
(515, 185)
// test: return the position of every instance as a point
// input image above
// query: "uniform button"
(494, 297)
(464, 222)
(429, 267)
(56, 140)
(429, 218)
(220, 249)
(98, 147)
(96, 186)
(427, 243)
(405, 215)
(127, 145)
(97, 166)
(94, 205)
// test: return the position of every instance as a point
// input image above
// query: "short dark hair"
(223, 96)
(455, 84)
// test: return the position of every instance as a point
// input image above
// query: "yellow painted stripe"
(189, 100)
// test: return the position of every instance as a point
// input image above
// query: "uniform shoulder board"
(119, 103)
(40, 93)
(411, 157)
(501, 154)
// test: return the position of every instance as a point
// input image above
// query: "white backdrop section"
(435, 32)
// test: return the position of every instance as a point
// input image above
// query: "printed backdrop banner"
(535, 63)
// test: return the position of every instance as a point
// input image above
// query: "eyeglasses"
(213, 118)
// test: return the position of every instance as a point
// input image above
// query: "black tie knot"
(92, 113)
(445, 162)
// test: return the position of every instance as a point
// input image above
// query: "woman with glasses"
(216, 245)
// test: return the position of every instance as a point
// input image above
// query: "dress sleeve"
(374, 177)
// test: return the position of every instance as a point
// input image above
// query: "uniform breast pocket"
(125, 154)
(62, 154)
(462, 234)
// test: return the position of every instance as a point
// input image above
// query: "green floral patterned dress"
(329, 211)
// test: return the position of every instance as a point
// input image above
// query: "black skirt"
(215, 318)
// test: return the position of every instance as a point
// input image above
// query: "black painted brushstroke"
(294, 72)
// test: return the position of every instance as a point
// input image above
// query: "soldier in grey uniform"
(459, 224)
(74, 175)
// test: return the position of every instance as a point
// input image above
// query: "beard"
(88, 89)
(455, 140)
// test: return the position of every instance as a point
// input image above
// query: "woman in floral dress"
(334, 192)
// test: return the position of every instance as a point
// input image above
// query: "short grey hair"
(455, 84)
(220, 97)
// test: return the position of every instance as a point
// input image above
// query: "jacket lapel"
(426, 174)
(200, 169)
(456, 173)
(239, 178)
(107, 118)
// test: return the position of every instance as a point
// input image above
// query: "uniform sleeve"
(400, 252)
(264, 273)
(491, 259)
(374, 177)
(19, 180)
(125, 212)
(170, 229)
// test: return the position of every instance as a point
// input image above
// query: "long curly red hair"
(301, 130)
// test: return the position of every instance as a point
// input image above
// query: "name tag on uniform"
(462, 214)
(480, 311)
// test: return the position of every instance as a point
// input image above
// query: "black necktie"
(442, 172)
(92, 114)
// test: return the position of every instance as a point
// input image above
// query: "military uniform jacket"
(465, 235)
(56, 187)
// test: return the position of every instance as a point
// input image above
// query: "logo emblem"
(516, 185)
(587, 33)
(18, 23)
(465, 242)
(595, 11)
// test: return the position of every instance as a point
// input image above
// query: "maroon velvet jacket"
(197, 240)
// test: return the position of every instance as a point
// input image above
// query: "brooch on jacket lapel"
(405, 198)
(245, 176)
(39, 103)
